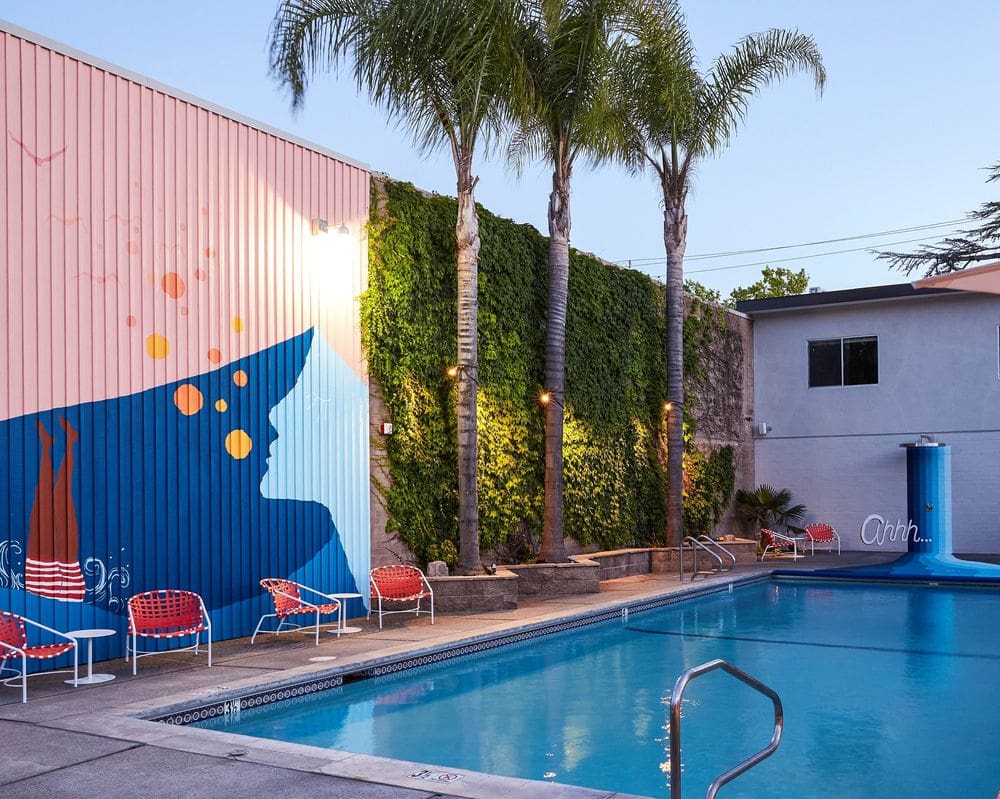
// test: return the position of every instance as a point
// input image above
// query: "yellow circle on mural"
(240, 378)
(237, 323)
(157, 346)
(221, 405)
(238, 444)
(188, 399)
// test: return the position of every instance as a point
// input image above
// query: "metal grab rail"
(709, 540)
(675, 726)
(696, 545)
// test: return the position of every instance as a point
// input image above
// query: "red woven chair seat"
(166, 614)
(398, 583)
(294, 611)
(46, 651)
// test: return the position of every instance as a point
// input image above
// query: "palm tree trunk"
(467, 245)
(675, 241)
(553, 549)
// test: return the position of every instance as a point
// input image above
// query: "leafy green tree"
(979, 243)
(567, 53)
(676, 116)
(441, 69)
(774, 282)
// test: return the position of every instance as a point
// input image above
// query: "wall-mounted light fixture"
(547, 398)
(459, 369)
(319, 226)
(344, 230)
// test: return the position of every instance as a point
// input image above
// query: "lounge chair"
(14, 644)
(778, 544)
(288, 601)
(399, 583)
(822, 534)
(167, 613)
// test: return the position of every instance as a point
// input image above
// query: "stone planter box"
(480, 592)
(557, 579)
(619, 562)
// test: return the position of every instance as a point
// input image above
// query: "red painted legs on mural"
(53, 565)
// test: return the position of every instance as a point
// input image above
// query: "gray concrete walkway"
(85, 742)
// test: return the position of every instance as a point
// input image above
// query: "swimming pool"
(887, 690)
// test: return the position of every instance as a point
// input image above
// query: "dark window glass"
(824, 363)
(860, 361)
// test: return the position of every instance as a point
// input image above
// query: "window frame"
(841, 340)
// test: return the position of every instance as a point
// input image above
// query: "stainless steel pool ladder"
(694, 545)
(715, 545)
(675, 726)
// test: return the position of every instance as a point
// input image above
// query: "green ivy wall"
(615, 383)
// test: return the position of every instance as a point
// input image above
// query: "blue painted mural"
(187, 485)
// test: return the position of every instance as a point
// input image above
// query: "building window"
(843, 361)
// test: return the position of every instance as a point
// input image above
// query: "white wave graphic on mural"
(10, 577)
(104, 580)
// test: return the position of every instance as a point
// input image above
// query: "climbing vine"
(615, 382)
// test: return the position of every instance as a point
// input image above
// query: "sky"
(899, 138)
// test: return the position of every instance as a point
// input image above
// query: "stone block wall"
(557, 579)
(483, 592)
(619, 562)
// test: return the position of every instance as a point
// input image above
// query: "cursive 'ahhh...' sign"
(876, 530)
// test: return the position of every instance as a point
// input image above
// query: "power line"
(804, 257)
(730, 253)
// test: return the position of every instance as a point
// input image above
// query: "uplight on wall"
(319, 226)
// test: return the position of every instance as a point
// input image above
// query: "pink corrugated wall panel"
(182, 391)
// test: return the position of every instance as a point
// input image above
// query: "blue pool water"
(889, 691)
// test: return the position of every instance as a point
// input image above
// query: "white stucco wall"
(837, 448)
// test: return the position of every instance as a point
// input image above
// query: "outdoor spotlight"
(668, 406)
(545, 398)
(319, 226)
(452, 371)
(343, 230)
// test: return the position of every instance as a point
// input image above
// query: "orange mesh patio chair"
(288, 601)
(822, 534)
(167, 613)
(14, 644)
(778, 544)
(399, 583)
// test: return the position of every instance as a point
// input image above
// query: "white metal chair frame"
(416, 611)
(195, 647)
(781, 541)
(23, 674)
(828, 541)
(293, 627)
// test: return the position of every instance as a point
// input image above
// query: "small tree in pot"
(770, 508)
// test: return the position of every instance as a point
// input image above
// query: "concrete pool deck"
(88, 742)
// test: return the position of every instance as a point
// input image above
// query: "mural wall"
(182, 396)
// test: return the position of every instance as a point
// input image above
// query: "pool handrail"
(695, 546)
(675, 726)
(708, 540)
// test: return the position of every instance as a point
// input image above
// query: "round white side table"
(343, 625)
(89, 636)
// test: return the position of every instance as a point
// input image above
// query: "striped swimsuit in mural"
(52, 568)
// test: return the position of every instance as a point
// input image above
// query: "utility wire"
(730, 253)
(804, 257)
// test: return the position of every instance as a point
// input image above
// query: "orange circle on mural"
(188, 399)
(173, 285)
(215, 355)
(157, 346)
(221, 405)
(237, 324)
(209, 252)
(131, 320)
(238, 444)
(200, 274)
(240, 378)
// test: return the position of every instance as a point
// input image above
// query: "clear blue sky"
(907, 122)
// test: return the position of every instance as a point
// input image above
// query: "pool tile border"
(299, 690)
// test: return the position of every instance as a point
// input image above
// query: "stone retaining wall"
(617, 563)
(482, 592)
(557, 579)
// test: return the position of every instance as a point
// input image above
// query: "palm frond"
(757, 61)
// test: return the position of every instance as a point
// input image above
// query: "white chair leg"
(135, 655)
(317, 628)
(24, 679)
(76, 666)
(209, 636)
(257, 629)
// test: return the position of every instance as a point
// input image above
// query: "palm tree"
(676, 116)
(565, 51)
(439, 68)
